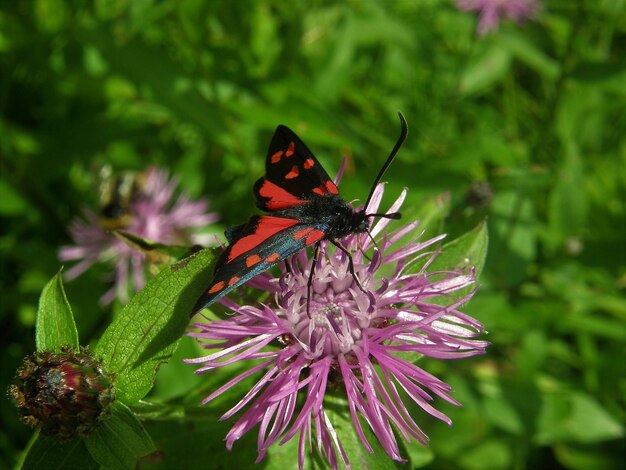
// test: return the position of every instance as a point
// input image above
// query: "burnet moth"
(304, 207)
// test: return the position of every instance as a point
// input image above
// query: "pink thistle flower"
(492, 11)
(155, 213)
(351, 341)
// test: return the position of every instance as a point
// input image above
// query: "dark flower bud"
(63, 394)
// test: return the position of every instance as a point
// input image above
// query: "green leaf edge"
(191, 276)
(115, 429)
(55, 326)
(452, 258)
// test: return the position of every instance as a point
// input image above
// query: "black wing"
(292, 174)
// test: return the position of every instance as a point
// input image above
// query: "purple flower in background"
(492, 11)
(153, 213)
(362, 343)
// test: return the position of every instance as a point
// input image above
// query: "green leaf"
(420, 455)
(175, 379)
(51, 454)
(567, 203)
(523, 49)
(491, 455)
(513, 236)
(464, 252)
(485, 71)
(338, 414)
(198, 440)
(12, 203)
(577, 457)
(157, 73)
(147, 330)
(119, 440)
(286, 456)
(596, 325)
(55, 321)
(575, 417)
(501, 413)
(95, 65)
(51, 15)
(599, 73)
(431, 214)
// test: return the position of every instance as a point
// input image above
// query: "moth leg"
(365, 255)
(350, 263)
(309, 283)
(287, 267)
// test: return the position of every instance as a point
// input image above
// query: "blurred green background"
(526, 126)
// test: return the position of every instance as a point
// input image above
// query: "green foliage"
(55, 321)
(339, 416)
(534, 112)
(466, 252)
(49, 453)
(146, 332)
(120, 440)
(197, 441)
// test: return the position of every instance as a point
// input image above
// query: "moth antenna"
(403, 133)
(390, 215)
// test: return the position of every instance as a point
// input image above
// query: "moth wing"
(262, 243)
(292, 174)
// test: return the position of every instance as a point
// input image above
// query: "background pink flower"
(156, 213)
(492, 11)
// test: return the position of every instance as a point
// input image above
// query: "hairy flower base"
(351, 335)
(64, 394)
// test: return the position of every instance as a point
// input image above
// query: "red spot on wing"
(308, 163)
(273, 258)
(278, 197)
(276, 157)
(295, 171)
(302, 233)
(321, 190)
(314, 236)
(290, 149)
(233, 280)
(331, 187)
(326, 188)
(252, 260)
(266, 227)
(218, 286)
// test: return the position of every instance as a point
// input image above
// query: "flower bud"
(63, 394)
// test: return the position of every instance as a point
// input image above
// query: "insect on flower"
(147, 205)
(304, 208)
(116, 192)
(352, 356)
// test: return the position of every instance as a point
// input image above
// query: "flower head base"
(351, 333)
(64, 394)
(492, 11)
(153, 213)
